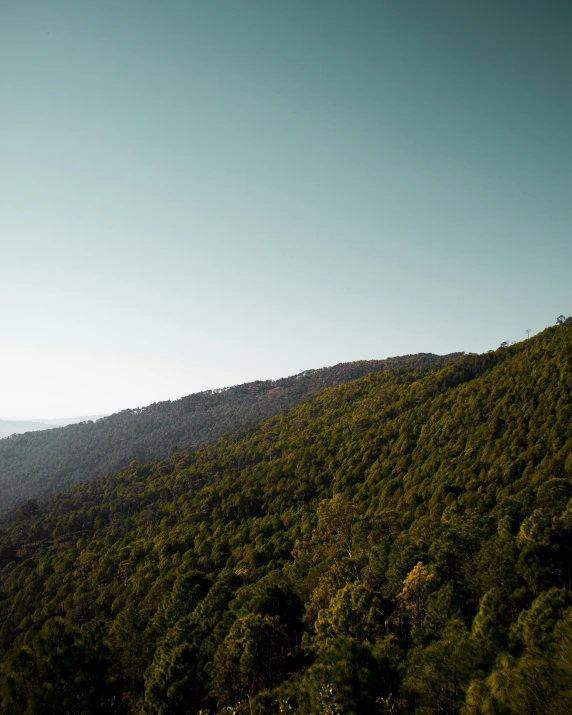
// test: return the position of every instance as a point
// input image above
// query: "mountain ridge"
(35, 464)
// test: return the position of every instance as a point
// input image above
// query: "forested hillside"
(34, 465)
(401, 543)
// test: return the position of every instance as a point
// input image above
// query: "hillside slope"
(398, 544)
(34, 465)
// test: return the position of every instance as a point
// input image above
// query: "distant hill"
(40, 463)
(65, 421)
(10, 427)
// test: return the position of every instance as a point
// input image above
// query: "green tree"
(64, 671)
(348, 677)
(438, 675)
(173, 685)
(250, 659)
(354, 612)
(414, 595)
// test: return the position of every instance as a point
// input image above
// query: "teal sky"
(195, 194)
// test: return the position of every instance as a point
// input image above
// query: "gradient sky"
(195, 194)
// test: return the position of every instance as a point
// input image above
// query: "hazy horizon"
(49, 419)
(196, 195)
(59, 421)
(8, 426)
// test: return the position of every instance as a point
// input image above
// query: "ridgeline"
(36, 464)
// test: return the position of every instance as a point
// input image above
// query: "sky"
(200, 193)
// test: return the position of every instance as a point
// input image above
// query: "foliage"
(35, 464)
(401, 543)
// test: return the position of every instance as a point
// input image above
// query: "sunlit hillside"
(401, 543)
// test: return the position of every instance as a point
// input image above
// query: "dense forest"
(34, 465)
(401, 543)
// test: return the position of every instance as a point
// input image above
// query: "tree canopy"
(35, 464)
(401, 543)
